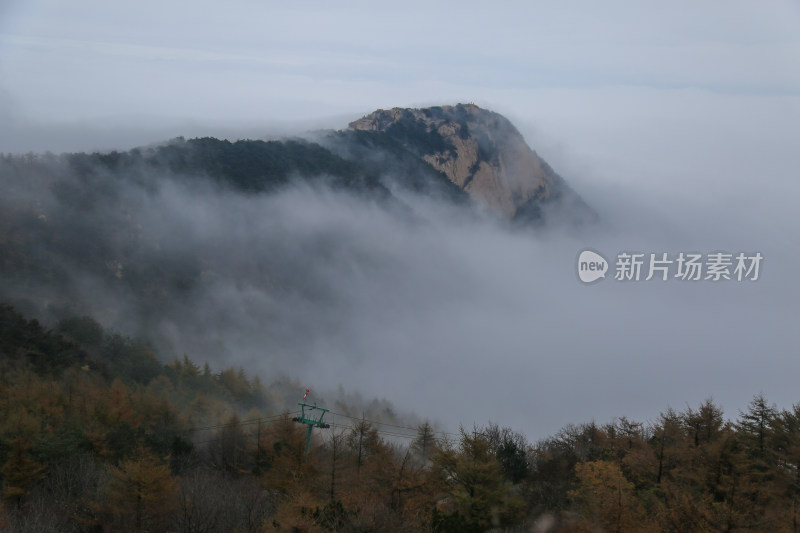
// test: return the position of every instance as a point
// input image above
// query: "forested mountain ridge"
(149, 238)
(250, 166)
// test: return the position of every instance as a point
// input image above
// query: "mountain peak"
(479, 150)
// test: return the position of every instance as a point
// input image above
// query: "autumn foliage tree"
(140, 494)
(96, 434)
(20, 472)
(607, 499)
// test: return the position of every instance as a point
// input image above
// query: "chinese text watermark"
(683, 266)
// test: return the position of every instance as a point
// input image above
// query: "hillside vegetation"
(97, 435)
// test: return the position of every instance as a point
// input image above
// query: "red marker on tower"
(306, 394)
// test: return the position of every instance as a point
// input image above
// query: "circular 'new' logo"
(591, 266)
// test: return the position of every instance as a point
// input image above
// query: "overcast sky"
(678, 121)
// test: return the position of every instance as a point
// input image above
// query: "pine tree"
(425, 444)
(755, 425)
(478, 496)
(705, 424)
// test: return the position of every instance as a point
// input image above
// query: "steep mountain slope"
(380, 154)
(483, 154)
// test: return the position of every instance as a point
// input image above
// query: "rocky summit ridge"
(481, 152)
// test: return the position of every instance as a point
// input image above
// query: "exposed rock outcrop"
(479, 151)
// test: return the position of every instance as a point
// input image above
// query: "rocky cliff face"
(478, 150)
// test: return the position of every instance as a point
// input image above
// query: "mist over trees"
(158, 241)
(251, 252)
(91, 442)
(182, 290)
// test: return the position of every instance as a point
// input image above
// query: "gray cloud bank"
(445, 312)
(677, 123)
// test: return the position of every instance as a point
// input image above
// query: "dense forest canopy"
(98, 435)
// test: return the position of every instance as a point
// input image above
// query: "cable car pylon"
(309, 420)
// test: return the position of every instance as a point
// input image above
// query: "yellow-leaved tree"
(606, 499)
(140, 494)
(19, 472)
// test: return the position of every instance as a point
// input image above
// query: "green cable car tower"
(309, 420)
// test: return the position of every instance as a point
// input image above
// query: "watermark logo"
(591, 266)
(684, 266)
